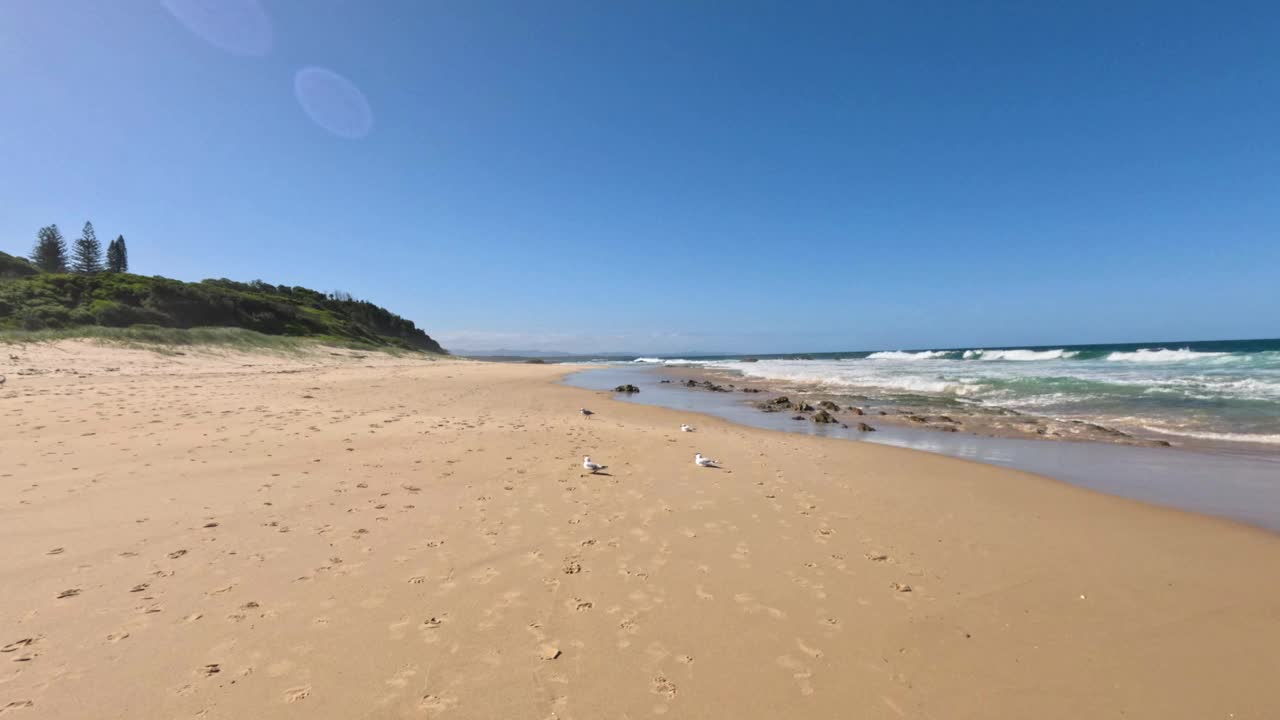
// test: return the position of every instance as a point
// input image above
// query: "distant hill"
(34, 300)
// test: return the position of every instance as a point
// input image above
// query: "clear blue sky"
(671, 176)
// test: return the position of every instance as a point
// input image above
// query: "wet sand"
(1228, 484)
(227, 536)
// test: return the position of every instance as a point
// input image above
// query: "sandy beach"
(358, 535)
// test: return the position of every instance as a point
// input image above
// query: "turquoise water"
(1220, 391)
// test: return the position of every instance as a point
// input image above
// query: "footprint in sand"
(434, 704)
(664, 687)
(812, 652)
(17, 645)
(293, 695)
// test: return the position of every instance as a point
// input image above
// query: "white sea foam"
(1163, 355)
(901, 355)
(1019, 355)
(1225, 437)
(855, 374)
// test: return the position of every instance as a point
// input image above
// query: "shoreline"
(335, 536)
(983, 421)
(1236, 487)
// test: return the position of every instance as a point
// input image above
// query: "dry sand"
(328, 536)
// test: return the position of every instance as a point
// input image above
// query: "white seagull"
(686, 428)
(704, 461)
(585, 412)
(593, 468)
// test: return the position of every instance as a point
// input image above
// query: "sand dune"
(347, 536)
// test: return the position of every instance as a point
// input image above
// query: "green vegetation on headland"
(108, 304)
(48, 301)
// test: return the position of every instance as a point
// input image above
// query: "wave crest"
(901, 355)
(1019, 355)
(1163, 355)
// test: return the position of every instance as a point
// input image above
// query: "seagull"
(585, 412)
(704, 461)
(592, 467)
(686, 428)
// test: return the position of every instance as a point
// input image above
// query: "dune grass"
(162, 339)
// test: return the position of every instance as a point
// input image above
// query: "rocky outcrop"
(823, 417)
(705, 384)
(863, 427)
(628, 389)
(828, 405)
(775, 405)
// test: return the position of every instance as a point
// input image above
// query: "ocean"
(1218, 391)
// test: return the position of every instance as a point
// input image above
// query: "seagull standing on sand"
(585, 412)
(704, 461)
(686, 428)
(591, 467)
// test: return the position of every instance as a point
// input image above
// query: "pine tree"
(88, 252)
(50, 252)
(117, 256)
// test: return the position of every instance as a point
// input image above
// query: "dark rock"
(802, 406)
(664, 382)
(822, 416)
(917, 419)
(857, 411)
(942, 418)
(775, 405)
(797, 417)
(828, 405)
(691, 383)
(878, 412)
(865, 427)
(627, 389)
(750, 390)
